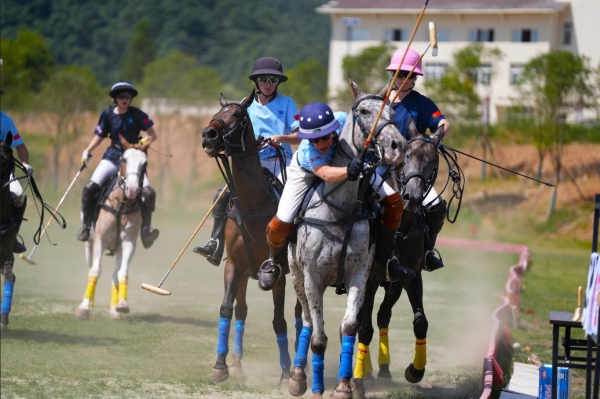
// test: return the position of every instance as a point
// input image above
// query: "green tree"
(141, 51)
(555, 84)
(307, 82)
(27, 63)
(62, 102)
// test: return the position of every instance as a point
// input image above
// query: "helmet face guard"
(411, 60)
(268, 66)
(121, 87)
(317, 120)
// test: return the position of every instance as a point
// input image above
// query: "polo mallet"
(161, 291)
(28, 259)
(389, 90)
(434, 51)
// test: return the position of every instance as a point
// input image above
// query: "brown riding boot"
(277, 235)
(89, 198)
(148, 233)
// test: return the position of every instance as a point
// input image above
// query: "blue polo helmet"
(317, 120)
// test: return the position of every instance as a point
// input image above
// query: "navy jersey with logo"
(423, 111)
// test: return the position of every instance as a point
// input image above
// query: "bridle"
(428, 181)
(223, 138)
(356, 119)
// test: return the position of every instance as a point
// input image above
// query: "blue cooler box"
(563, 384)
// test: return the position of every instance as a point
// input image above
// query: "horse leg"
(384, 315)
(297, 385)
(123, 260)
(416, 370)
(94, 260)
(220, 370)
(318, 342)
(9, 284)
(241, 313)
(280, 328)
(363, 371)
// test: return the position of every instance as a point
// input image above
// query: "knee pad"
(90, 192)
(278, 232)
(393, 206)
(149, 197)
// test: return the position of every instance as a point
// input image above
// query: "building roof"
(487, 5)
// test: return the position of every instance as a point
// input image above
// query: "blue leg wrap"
(302, 351)
(284, 355)
(345, 370)
(298, 331)
(7, 298)
(238, 342)
(318, 362)
(223, 346)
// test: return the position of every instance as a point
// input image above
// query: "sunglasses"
(268, 79)
(124, 96)
(324, 138)
(404, 74)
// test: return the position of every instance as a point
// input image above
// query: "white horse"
(315, 258)
(116, 229)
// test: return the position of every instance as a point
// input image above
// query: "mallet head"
(433, 39)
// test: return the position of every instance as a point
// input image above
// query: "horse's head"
(133, 167)
(7, 161)
(230, 128)
(420, 166)
(386, 135)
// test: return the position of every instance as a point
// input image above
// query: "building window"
(443, 35)
(481, 35)
(567, 33)
(396, 35)
(355, 34)
(434, 71)
(484, 75)
(515, 73)
(525, 35)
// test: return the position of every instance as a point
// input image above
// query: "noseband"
(427, 181)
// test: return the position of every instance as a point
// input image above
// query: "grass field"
(166, 346)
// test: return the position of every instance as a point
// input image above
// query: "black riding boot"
(213, 250)
(434, 219)
(89, 198)
(19, 247)
(148, 234)
(386, 257)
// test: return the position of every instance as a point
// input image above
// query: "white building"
(521, 29)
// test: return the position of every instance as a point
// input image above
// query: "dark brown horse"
(8, 229)
(415, 178)
(230, 135)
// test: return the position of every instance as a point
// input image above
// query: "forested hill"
(227, 35)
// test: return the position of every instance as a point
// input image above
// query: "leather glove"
(85, 157)
(144, 140)
(354, 168)
(28, 169)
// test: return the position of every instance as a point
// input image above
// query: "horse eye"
(364, 111)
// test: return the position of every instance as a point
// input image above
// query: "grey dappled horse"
(415, 178)
(314, 259)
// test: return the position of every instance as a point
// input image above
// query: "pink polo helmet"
(409, 61)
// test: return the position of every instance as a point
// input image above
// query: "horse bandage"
(384, 347)
(90, 291)
(420, 354)
(123, 290)
(362, 361)
(114, 295)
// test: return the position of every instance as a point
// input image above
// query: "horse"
(229, 134)
(116, 229)
(8, 230)
(332, 246)
(416, 178)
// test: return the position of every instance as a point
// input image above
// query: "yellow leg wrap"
(123, 289)
(368, 364)
(384, 347)
(420, 354)
(90, 291)
(362, 356)
(114, 295)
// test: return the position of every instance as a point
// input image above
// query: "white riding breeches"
(298, 182)
(431, 199)
(16, 192)
(106, 169)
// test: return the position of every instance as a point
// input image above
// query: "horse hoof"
(82, 314)
(358, 389)
(4, 322)
(297, 385)
(384, 372)
(343, 390)
(236, 371)
(219, 375)
(413, 375)
(114, 314)
(122, 306)
(369, 377)
(284, 380)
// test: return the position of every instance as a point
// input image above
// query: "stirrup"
(268, 274)
(148, 235)
(431, 262)
(407, 273)
(208, 251)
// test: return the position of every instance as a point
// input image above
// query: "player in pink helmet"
(409, 104)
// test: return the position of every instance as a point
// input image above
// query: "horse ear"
(356, 91)
(248, 100)
(412, 129)
(222, 100)
(438, 136)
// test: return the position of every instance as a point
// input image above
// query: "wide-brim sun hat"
(317, 120)
(268, 66)
(412, 58)
(121, 87)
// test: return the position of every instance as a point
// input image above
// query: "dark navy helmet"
(317, 120)
(121, 87)
(268, 66)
